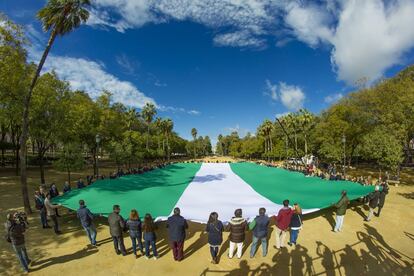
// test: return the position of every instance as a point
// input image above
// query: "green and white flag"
(199, 189)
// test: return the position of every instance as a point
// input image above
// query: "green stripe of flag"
(309, 192)
(154, 192)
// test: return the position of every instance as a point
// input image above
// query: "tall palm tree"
(60, 17)
(194, 134)
(306, 120)
(148, 112)
(293, 123)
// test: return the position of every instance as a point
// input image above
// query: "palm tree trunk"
(168, 148)
(41, 167)
(148, 132)
(25, 125)
(306, 144)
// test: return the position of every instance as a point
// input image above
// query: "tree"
(70, 159)
(61, 17)
(194, 134)
(47, 115)
(148, 112)
(383, 147)
(14, 80)
(306, 121)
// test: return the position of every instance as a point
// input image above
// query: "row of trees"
(42, 115)
(373, 125)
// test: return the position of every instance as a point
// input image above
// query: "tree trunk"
(16, 153)
(296, 142)
(168, 149)
(41, 166)
(148, 133)
(306, 145)
(95, 168)
(25, 126)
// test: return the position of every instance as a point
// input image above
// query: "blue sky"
(226, 65)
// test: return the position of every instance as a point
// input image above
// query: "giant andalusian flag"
(199, 189)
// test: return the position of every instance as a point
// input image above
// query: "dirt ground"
(384, 246)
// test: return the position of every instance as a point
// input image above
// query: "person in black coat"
(295, 224)
(54, 192)
(177, 225)
(214, 229)
(373, 202)
(383, 194)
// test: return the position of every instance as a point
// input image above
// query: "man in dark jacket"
(282, 224)
(177, 225)
(40, 205)
(260, 232)
(116, 227)
(86, 219)
(373, 202)
(15, 235)
(237, 227)
(341, 207)
(383, 194)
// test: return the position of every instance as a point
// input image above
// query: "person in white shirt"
(51, 212)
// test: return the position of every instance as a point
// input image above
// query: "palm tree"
(306, 120)
(293, 123)
(148, 112)
(60, 17)
(194, 134)
(169, 125)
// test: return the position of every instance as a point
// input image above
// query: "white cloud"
(367, 37)
(371, 37)
(194, 112)
(239, 22)
(127, 64)
(291, 96)
(280, 115)
(309, 23)
(239, 39)
(271, 90)
(333, 98)
(178, 110)
(91, 77)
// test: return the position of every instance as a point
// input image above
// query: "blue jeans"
(91, 232)
(154, 248)
(136, 236)
(22, 255)
(43, 217)
(293, 235)
(254, 246)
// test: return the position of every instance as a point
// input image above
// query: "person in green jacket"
(341, 207)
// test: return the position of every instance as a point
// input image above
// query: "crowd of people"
(143, 232)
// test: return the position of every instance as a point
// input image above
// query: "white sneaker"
(155, 258)
(146, 257)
